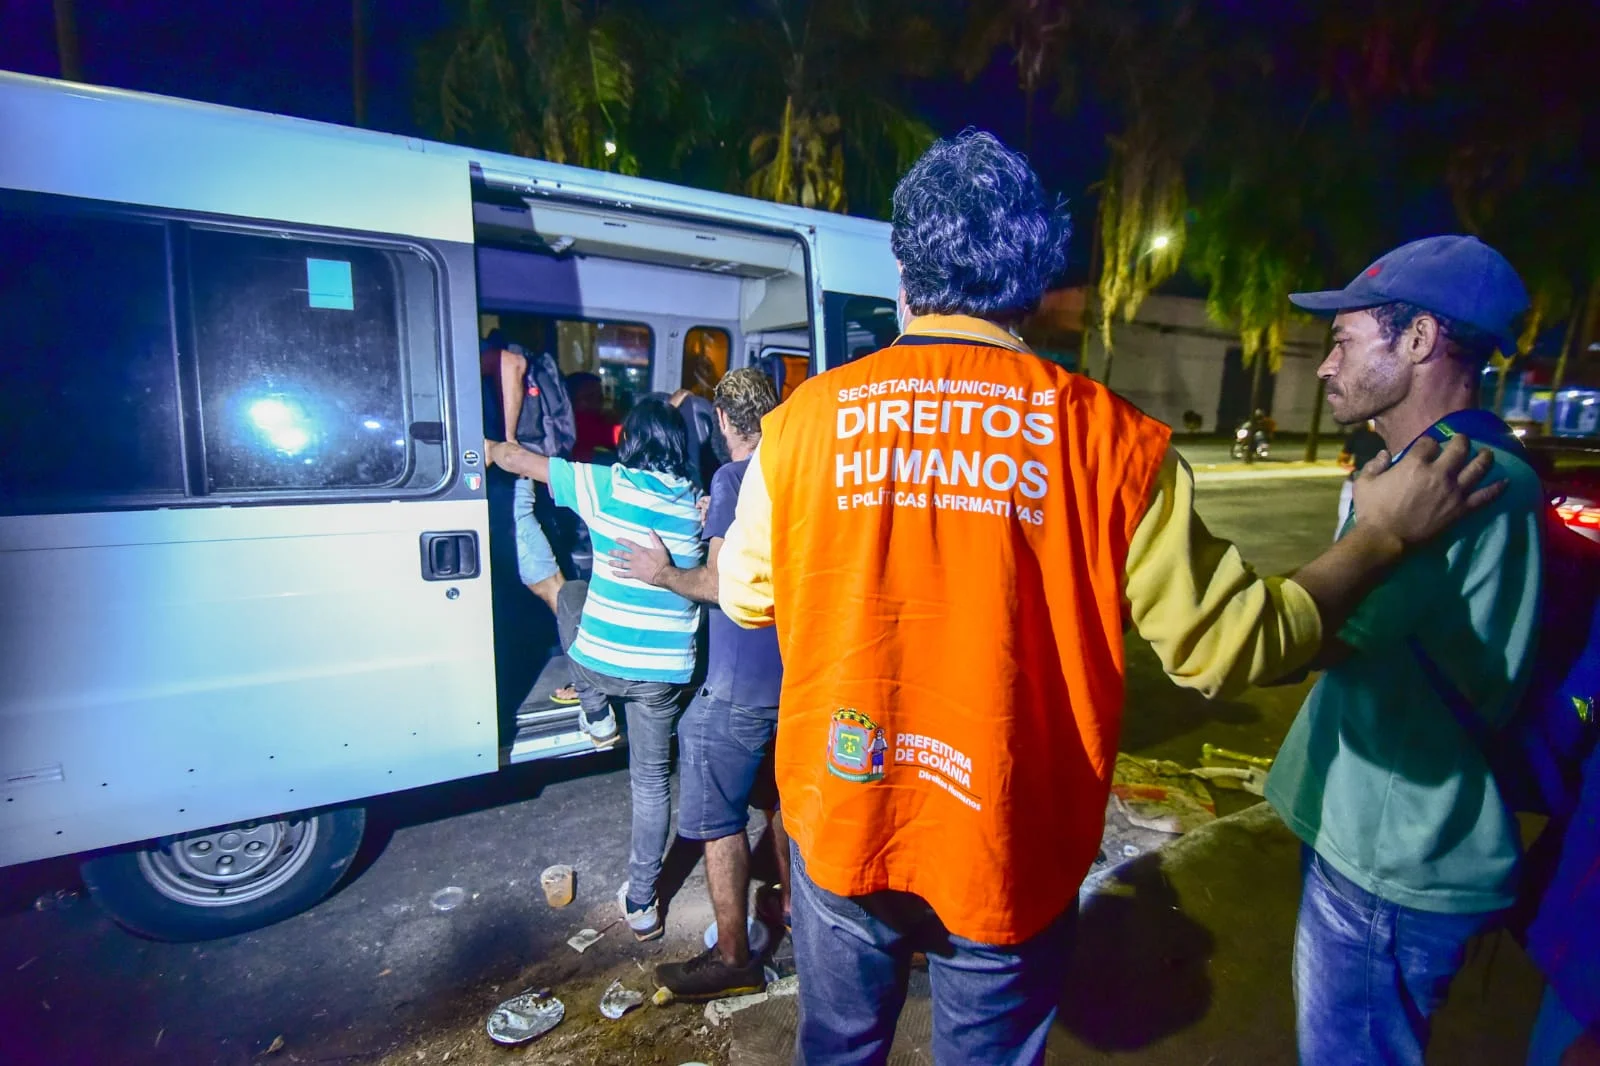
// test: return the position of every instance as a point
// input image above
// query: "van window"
(620, 354)
(794, 367)
(90, 411)
(705, 359)
(854, 326)
(150, 361)
(302, 372)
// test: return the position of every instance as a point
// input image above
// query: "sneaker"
(644, 921)
(707, 976)
(602, 734)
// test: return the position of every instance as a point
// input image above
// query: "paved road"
(377, 966)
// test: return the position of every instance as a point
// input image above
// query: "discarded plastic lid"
(618, 1000)
(448, 899)
(522, 1018)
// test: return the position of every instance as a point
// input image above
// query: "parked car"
(1570, 470)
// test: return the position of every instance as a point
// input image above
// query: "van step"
(550, 738)
(534, 714)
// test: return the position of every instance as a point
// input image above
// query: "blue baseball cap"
(1460, 278)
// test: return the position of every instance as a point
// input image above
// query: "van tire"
(176, 888)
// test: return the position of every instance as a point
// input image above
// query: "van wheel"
(225, 881)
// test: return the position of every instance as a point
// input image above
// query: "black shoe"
(706, 976)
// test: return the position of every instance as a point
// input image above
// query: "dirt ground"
(646, 1036)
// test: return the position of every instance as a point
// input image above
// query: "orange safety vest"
(950, 526)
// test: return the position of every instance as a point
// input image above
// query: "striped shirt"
(631, 630)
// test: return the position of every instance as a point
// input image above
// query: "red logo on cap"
(1374, 270)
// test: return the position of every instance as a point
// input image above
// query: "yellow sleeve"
(744, 566)
(1216, 625)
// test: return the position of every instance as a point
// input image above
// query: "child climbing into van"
(635, 642)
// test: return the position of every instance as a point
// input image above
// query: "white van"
(244, 551)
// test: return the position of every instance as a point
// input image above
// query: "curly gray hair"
(974, 233)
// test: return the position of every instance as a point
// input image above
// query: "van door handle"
(449, 556)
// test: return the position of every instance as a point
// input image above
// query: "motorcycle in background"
(1250, 442)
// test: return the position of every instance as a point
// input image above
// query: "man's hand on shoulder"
(1417, 498)
(640, 562)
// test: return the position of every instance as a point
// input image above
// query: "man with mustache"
(1409, 847)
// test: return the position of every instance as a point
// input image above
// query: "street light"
(1159, 242)
(611, 147)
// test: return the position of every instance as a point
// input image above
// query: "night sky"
(293, 57)
(285, 56)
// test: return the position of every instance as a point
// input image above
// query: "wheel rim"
(230, 866)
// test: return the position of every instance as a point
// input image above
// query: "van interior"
(634, 304)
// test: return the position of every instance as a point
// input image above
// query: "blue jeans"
(991, 1005)
(1369, 974)
(651, 709)
(724, 766)
(536, 560)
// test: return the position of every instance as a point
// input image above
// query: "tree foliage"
(1268, 146)
(1035, 34)
(1155, 65)
(554, 79)
(798, 101)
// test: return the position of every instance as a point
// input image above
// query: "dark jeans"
(725, 758)
(991, 1005)
(569, 612)
(1369, 974)
(652, 709)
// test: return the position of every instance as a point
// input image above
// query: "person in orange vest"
(949, 535)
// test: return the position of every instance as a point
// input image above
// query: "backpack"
(1537, 755)
(546, 424)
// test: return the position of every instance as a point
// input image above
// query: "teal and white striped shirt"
(629, 629)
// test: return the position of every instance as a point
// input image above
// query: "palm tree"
(1141, 230)
(1282, 201)
(1155, 62)
(67, 41)
(797, 101)
(831, 74)
(1033, 31)
(553, 79)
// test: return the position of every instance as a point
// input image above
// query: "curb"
(1243, 472)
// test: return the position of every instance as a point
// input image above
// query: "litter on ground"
(1208, 752)
(618, 1000)
(525, 1017)
(720, 1010)
(1161, 795)
(448, 899)
(557, 882)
